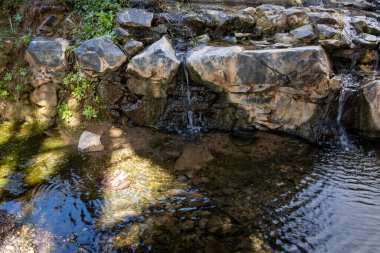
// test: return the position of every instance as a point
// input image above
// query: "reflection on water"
(212, 193)
(338, 209)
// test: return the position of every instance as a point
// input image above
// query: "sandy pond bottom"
(208, 193)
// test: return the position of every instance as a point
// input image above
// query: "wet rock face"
(153, 69)
(134, 18)
(47, 52)
(278, 89)
(370, 109)
(99, 55)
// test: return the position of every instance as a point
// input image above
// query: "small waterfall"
(188, 103)
(349, 85)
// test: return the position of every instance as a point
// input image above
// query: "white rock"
(90, 142)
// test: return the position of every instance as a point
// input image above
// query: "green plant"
(98, 17)
(89, 112)
(8, 76)
(64, 111)
(18, 17)
(7, 7)
(78, 85)
(25, 39)
(22, 72)
(4, 94)
(7, 86)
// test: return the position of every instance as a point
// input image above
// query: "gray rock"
(68, 26)
(369, 117)
(285, 38)
(160, 29)
(90, 142)
(240, 22)
(153, 69)
(323, 18)
(230, 39)
(304, 33)
(203, 39)
(122, 35)
(296, 17)
(47, 27)
(131, 17)
(47, 53)
(271, 19)
(366, 25)
(132, 47)
(325, 31)
(99, 55)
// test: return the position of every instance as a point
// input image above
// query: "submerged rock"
(99, 55)
(118, 180)
(131, 17)
(153, 69)
(90, 142)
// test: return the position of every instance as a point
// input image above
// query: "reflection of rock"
(90, 142)
(118, 180)
(193, 157)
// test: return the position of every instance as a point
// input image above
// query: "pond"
(214, 192)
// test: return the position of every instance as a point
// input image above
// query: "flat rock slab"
(90, 142)
(99, 54)
(237, 70)
(132, 17)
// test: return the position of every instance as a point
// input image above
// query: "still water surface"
(213, 193)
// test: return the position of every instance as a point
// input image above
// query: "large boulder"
(132, 17)
(99, 55)
(277, 89)
(153, 69)
(47, 53)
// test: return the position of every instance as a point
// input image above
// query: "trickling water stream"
(348, 86)
(188, 103)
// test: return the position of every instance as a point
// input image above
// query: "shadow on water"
(209, 193)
